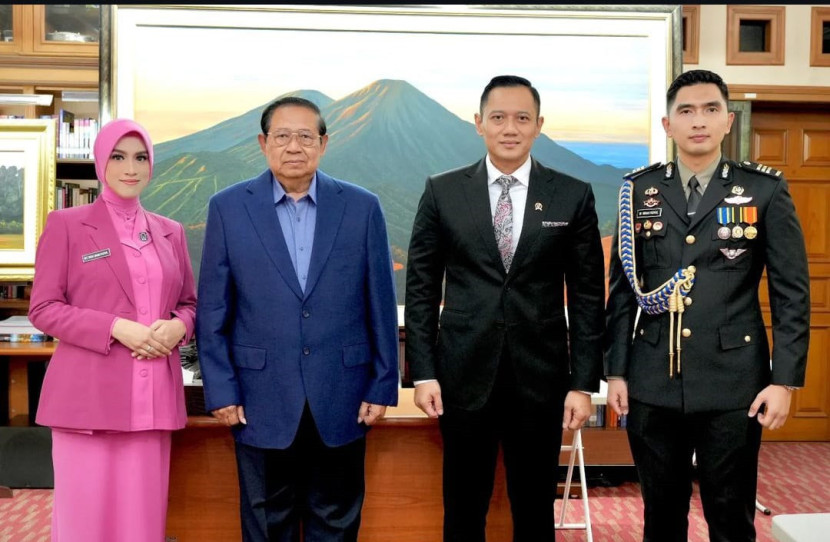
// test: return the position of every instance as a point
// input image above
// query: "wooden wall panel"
(796, 140)
(816, 145)
(771, 147)
(812, 203)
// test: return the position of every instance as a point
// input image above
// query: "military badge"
(724, 173)
(651, 191)
(657, 225)
(669, 170)
(726, 215)
(749, 215)
(647, 224)
(737, 232)
(638, 227)
(737, 200)
(651, 202)
(738, 190)
(732, 253)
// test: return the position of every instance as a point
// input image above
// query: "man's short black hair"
(268, 112)
(695, 77)
(508, 81)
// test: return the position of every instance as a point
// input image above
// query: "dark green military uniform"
(745, 223)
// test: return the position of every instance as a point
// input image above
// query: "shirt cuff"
(417, 382)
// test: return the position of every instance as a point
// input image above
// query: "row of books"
(18, 329)
(70, 194)
(75, 135)
(14, 291)
(603, 416)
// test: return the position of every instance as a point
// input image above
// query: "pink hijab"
(107, 139)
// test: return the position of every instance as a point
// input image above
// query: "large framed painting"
(27, 190)
(398, 86)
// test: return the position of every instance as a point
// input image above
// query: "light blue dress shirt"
(297, 221)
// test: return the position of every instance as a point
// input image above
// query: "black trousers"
(530, 436)
(307, 488)
(726, 444)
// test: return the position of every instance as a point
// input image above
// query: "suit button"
(306, 313)
(642, 332)
(648, 234)
(306, 350)
(687, 301)
(143, 372)
(690, 239)
(747, 339)
(686, 332)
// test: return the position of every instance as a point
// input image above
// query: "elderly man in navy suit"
(297, 332)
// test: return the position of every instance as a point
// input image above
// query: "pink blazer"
(79, 289)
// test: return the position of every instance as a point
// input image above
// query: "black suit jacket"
(725, 360)
(487, 310)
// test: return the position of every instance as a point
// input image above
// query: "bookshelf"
(50, 51)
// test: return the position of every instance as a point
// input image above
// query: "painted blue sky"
(592, 87)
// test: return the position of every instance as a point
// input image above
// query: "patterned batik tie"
(503, 221)
(694, 196)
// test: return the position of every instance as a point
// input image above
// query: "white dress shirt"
(518, 194)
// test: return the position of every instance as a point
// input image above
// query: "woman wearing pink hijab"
(113, 283)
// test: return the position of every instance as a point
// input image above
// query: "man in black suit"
(507, 234)
(695, 236)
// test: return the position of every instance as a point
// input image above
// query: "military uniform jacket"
(725, 354)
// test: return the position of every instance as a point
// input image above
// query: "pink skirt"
(110, 486)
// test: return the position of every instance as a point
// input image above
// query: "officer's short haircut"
(695, 77)
(508, 81)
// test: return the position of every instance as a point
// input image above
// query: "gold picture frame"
(602, 72)
(27, 192)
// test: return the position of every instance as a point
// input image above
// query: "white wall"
(796, 70)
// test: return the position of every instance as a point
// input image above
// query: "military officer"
(687, 356)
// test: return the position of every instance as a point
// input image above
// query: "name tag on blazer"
(96, 255)
(550, 224)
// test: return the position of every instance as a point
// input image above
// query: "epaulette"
(759, 168)
(630, 176)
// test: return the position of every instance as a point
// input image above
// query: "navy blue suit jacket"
(266, 345)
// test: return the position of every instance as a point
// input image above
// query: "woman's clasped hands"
(149, 342)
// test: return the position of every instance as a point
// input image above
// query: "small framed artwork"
(27, 188)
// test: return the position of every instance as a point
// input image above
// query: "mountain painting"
(387, 137)
(398, 86)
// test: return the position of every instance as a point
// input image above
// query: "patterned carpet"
(793, 478)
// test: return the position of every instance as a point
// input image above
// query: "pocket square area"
(552, 224)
